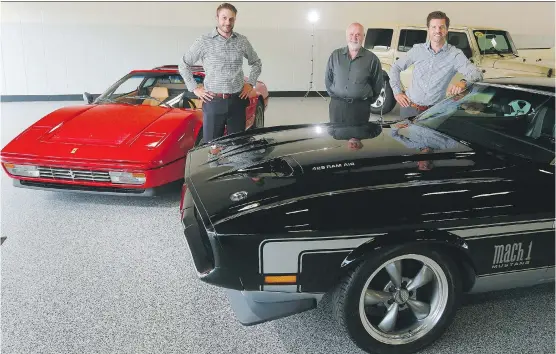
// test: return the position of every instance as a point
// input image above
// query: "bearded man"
(353, 79)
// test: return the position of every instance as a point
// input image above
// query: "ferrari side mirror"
(87, 97)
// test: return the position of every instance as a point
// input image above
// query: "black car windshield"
(150, 88)
(499, 118)
(493, 42)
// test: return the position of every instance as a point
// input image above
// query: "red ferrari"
(132, 140)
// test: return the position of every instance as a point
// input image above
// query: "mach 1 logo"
(511, 255)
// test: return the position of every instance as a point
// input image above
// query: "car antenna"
(484, 50)
(381, 118)
(382, 105)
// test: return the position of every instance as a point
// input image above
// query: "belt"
(351, 100)
(420, 108)
(225, 95)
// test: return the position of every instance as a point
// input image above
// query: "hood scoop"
(276, 167)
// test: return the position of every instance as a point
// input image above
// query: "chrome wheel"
(403, 299)
(380, 100)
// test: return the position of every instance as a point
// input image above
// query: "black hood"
(262, 165)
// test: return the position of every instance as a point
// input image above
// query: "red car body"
(115, 147)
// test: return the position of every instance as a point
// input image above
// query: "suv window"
(492, 42)
(379, 38)
(408, 38)
(459, 40)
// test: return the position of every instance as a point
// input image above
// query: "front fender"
(454, 245)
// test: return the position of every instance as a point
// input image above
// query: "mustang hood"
(106, 125)
(268, 165)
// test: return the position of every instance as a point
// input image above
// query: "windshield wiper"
(497, 52)
(147, 97)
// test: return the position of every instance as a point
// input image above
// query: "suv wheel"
(385, 100)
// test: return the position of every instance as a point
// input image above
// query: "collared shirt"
(417, 137)
(432, 72)
(222, 60)
(358, 78)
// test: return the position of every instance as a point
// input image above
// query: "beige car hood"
(515, 65)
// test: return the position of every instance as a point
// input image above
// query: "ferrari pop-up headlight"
(22, 170)
(127, 177)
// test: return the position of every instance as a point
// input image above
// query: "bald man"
(353, 79)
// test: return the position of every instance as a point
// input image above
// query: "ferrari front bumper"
(63, 187)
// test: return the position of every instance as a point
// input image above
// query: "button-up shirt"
(357, 78)
(432, 72)
(222, 60)
(417, 137)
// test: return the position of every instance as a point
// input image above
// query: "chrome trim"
(59, 173)
(515, 279)
(515, 87)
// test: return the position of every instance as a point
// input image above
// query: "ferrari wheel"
(398, 301)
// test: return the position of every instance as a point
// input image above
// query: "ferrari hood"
(102, 133)
(104, 125)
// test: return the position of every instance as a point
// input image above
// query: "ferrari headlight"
(22, 170)
(127, 177)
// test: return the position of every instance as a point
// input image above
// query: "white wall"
(66, 48)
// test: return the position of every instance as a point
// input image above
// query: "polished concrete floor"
(102, 274)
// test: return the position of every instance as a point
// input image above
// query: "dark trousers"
(356, 112)
(220, 113)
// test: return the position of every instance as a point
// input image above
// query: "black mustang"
(397, 220)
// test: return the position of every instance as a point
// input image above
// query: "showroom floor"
(103, 274)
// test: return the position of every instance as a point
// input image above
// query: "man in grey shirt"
(436, 63)
(353, 79)
(224, 93)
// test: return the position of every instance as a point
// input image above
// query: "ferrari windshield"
(493, 42)
(149, 88)
(511, 120)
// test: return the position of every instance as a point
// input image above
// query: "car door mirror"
(87, 97)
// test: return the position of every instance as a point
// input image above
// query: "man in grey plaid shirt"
(225, 94)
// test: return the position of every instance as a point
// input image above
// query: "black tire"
(387, 99)
(347, 301)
